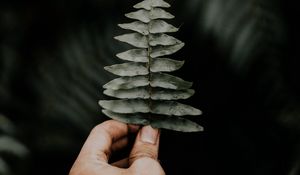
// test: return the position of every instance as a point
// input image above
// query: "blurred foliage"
(12, 153)
(52, 55)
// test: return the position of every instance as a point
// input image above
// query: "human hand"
(111, 136)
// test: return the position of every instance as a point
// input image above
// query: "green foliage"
(9, 146)
(147, 94)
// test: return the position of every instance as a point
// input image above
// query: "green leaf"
(165, 65)
(144, 93)
(162, 40)
(165, 50)
(158, 121)
(135, 55)
(125, 106)
(169, 82)
(149, 4)
(4, 168)
(142, 106)
(127, 83)
(128, 69)
(134, 39)
(175, 123)
(173, 108)
(160, 26)
(141, 15)
(136, 26)
(136, 119)
(141, 93)
(146, 16)
(167, 94)
(158, 13)
(11, 145)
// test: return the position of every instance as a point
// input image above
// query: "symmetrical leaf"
(145, 91)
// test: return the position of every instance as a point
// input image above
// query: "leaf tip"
(199, 128)
(106, 68)
(101, 103)
(198, 112)
(117, 38)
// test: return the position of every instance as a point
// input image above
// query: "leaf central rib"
(149, 50)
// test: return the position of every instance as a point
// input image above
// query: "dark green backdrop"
(243, 56)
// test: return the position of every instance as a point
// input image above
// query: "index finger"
(99, 142)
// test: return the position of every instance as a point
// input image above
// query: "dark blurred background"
(243, 56)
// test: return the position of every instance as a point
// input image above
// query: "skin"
(111, 136)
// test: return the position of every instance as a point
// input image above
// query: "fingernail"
(149, 135)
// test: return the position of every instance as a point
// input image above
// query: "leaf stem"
(149, 50)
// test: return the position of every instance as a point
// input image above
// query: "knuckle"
(144, 152)
(101, 128)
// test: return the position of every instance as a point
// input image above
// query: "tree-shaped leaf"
(146, 93)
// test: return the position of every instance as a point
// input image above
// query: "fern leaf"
(167, 50)
(169, 82)
(173, 108)
(135, 93)
(156, 93)
(127, 83)
(165, 65)
(135, 55)
(134, 39)
(136, 26)
(176, 124)
(165, 122)
(135, 119)
(145, 93)
(160, 26)
(128, 69)
(162, 40)
(167, 94)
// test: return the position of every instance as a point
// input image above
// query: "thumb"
(146, 145)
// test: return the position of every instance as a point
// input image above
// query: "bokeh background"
(243, 56)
